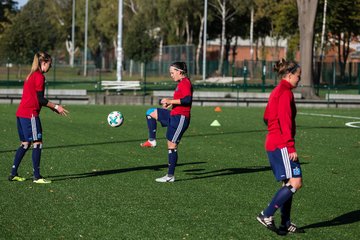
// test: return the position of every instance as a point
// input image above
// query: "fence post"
(358, 75)
(350, 73)
(245, 74)
(232, 72)
(263, 75)
(54, 71)
(328, 96)
(145, 64)
(8, 69)
(100, 76)
(237, 94)
(334, 73)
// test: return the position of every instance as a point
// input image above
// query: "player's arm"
(55, 107)
(182, 101)
(266, 115)
(286, 121)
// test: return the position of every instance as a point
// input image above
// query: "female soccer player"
(177, 120)
(28, 121)
(280, 146)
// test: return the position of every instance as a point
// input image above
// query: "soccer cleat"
(42, 181)
(289, 228)
(16, 178)
(166, 179)
(148, 144)
(268, 222)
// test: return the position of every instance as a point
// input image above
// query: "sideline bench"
(343, 100)
(120, 85)
(349, 97)
(61, 96)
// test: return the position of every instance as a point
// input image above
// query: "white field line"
(353, 124)
(329, 115)
(348, 124)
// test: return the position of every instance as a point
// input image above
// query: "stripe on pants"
(179, 128)
(286, 161)
(33, 128)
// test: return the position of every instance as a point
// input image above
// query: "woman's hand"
(293, 156)
(166, 103)
(61, 110)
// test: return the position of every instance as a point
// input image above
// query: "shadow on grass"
(347, 218)
(114, 171)
(320, 127)
(136, 140)
(225, 172)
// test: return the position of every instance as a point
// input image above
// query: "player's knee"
(298, 185)
(294, 185)
(37, 145)
(25, 145)
(172, 150)
(150, 111)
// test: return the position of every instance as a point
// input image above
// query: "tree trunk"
(307, 13)
(322, 44)
(160, 54)
(343, 52)
(187, 29)
(222, 42)
(70, 48)
(234, 51)
(198, 50)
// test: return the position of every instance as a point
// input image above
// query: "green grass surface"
(103, 182)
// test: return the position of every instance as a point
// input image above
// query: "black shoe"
(268, 222)
(290, 228)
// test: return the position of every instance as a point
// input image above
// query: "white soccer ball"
(115, 119)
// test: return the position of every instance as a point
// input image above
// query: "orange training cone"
(217, 109)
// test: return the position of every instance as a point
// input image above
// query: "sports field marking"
(348, 124)
(353, 124)
(328, 115)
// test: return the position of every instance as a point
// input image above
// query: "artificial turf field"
(103, 182)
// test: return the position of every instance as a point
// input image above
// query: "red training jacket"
(183, 89)
(280, 115)
(29, 105)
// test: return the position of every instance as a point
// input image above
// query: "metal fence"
(245, 75)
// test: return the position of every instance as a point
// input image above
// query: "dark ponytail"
(181, 66)
(283, 67)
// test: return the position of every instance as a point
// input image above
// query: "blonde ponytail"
(39, 57)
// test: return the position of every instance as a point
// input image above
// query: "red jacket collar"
(286, 84)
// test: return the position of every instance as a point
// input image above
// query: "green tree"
(7, 8)
(262, 25)
(30, 32)
(277, 19)
(139, 43)
(344, 25)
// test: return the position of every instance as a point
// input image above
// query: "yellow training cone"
(215, 123)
